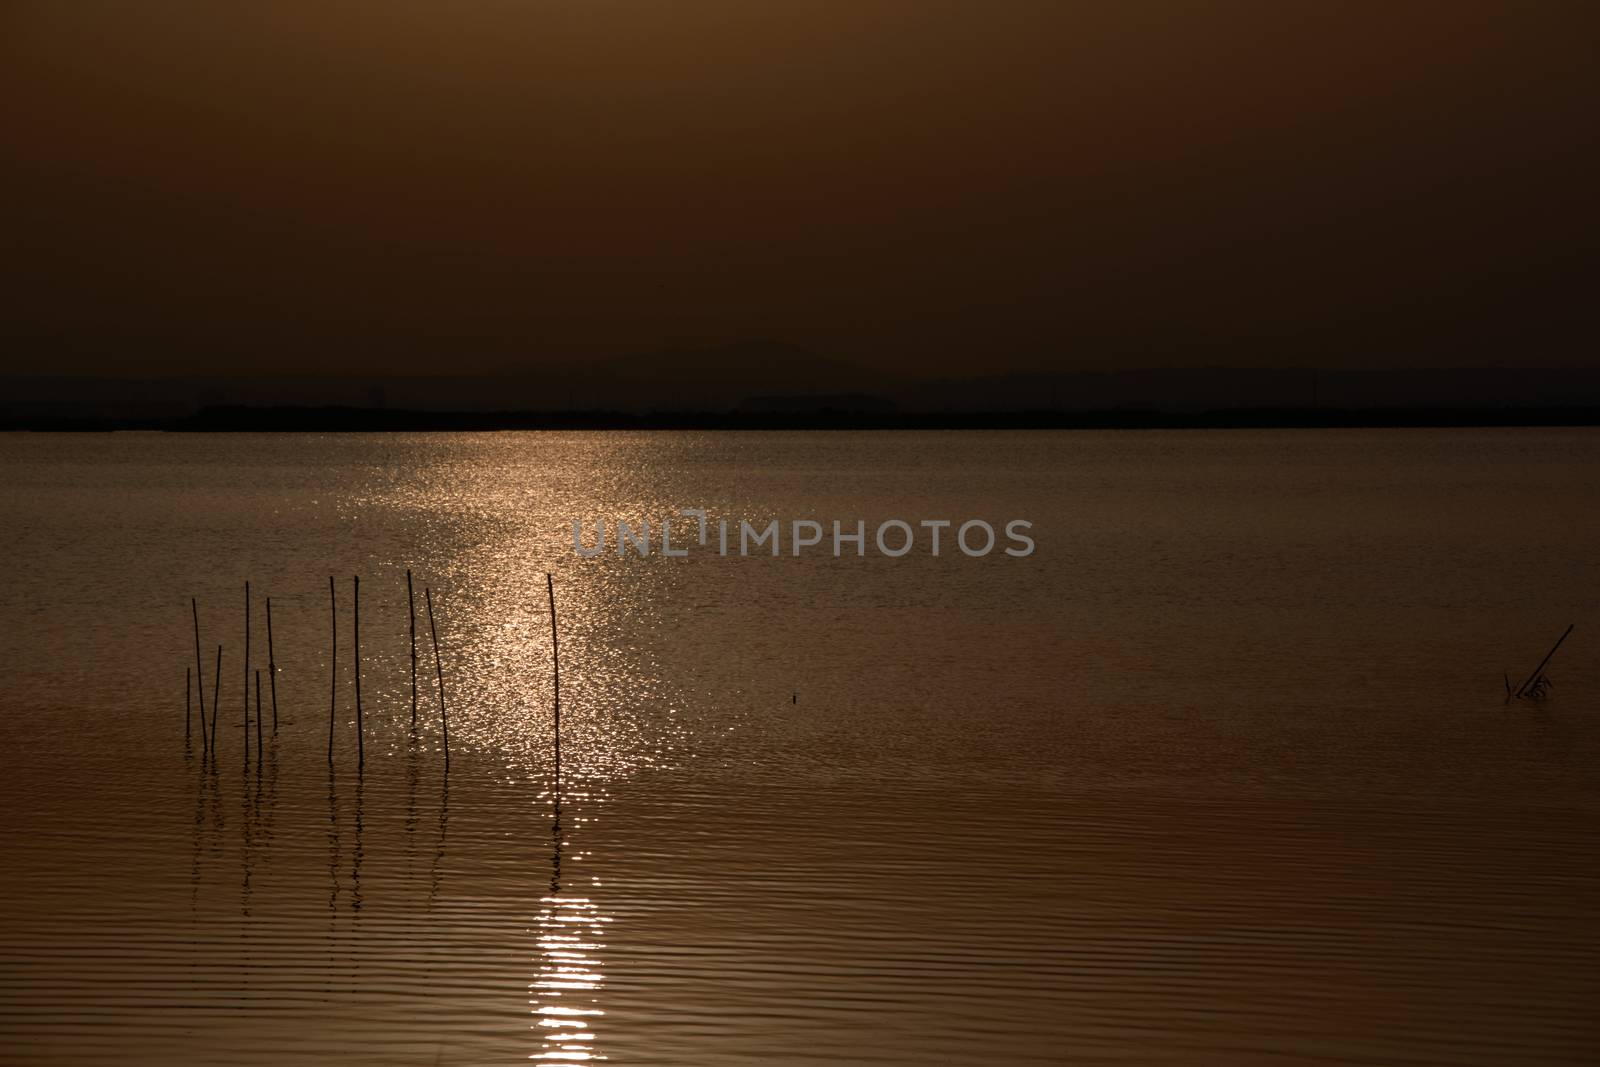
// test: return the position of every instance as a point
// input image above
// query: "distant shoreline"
(378, 420)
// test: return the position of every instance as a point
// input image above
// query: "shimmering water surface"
(1221, 774)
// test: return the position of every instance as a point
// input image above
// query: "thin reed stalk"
(216, 684)
(272, 668)
(411, 606)
(1540, 668)
(246, 708)
(555, 666)
(361, 745)
(438, 666)
(333, 663)
(199, 676)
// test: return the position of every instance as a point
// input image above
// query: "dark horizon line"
(337, 419)
(585, 366)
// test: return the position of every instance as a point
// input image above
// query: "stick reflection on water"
(435, 874)
(247, 824)
(333, 842)
(411, 801)
(357, 852)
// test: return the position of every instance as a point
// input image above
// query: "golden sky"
(340, 185)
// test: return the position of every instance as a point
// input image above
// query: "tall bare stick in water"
(555, 665)
(361, 745)
(333, 664)
(199, 676)
(247, 672)
(216, 683)
(411, 605)
(188, 700)
(260, 751)
(272, 668)
(438, 666)
(1540, 667)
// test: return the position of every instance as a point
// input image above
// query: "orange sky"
(356, 186)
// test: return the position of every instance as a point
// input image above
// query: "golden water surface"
(1222, 773)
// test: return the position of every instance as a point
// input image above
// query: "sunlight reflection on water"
(1220, 775)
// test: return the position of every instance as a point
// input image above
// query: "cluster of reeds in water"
(194, 681)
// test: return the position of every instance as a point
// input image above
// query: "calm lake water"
(1222, 773)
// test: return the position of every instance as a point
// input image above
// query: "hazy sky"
(461, 185)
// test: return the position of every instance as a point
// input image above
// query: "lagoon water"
(1221, 774)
